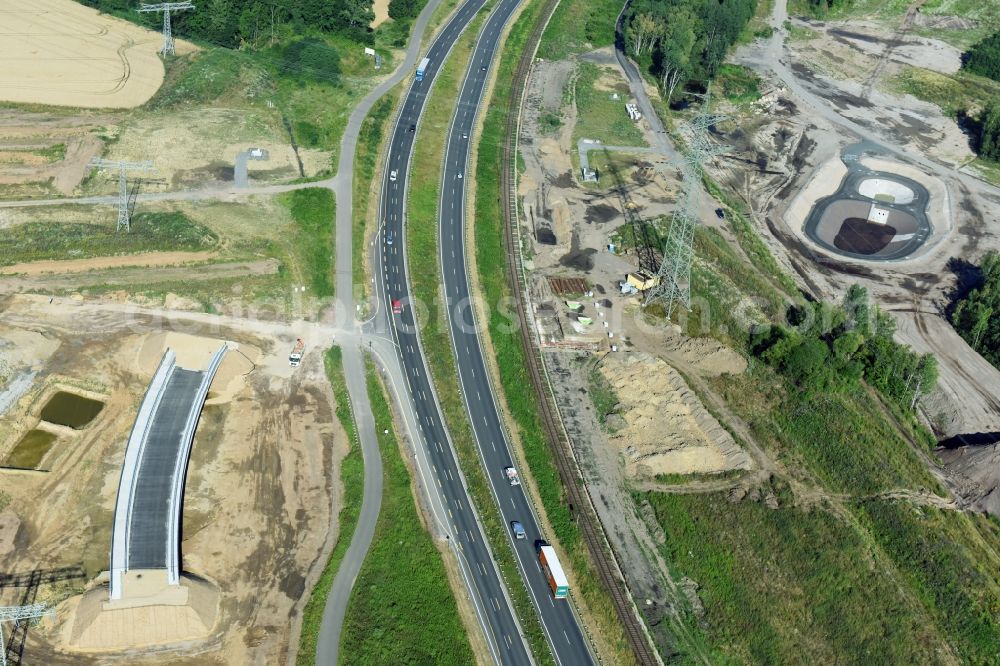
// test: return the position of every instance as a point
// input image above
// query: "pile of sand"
(708, 356)
(666, 429)
(194, 353)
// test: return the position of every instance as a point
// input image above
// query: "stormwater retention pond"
(71, 410)
(30, 450)
(873, 215)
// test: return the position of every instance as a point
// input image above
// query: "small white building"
(878, 215)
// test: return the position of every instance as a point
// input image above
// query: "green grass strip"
(402, 610)
(313, 211)
(167, 231)
(370, 137)
(353, 481)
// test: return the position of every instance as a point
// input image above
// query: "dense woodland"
(684, 41)
(977, 316)
(984, 57)
(820, 7)
(989, 136)
(829, 348)
(254, 24)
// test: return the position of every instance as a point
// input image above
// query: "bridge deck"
(164, 444)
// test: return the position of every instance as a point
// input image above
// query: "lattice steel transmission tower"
(166, 8)
(675, 269)
(17, 614)
(124, 209)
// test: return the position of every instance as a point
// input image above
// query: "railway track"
(580, 503)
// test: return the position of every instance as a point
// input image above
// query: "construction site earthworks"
(822, 170)
(89, 310)
(257, 515)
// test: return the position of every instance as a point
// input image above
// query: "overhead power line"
(674, 285)
(166, 8)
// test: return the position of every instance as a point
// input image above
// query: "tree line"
(684, 41)
(821, 7)
(829, 347)
(977, 316)
(254, 24)
(983, 57)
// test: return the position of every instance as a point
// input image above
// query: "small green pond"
(70, 409)
(30, 450)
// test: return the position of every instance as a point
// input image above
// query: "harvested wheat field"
(61, 53)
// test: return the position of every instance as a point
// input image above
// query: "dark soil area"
(580, 259)
(601, 213)
(545, 236)
(863, 237)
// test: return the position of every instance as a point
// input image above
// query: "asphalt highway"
(562, 628)
(558, 618)
(503, 632)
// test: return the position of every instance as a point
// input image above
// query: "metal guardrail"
(180, 469)
(133, 454)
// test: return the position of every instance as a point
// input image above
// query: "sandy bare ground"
(129, 277)
(381, 9)
(61, 53)
(259, 495)
(661, 426)
(98, 263)
(29, 141)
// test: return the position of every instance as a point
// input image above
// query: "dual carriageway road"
(558, 618)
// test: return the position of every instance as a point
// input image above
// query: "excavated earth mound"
(666, 429)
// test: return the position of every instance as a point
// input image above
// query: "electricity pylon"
(17, 614)
(675, 269)
(124, 211)
(166, 8)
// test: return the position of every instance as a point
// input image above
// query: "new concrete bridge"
(147, 523)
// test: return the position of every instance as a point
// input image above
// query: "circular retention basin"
(30, 450)
(70, 409)
(844, 226)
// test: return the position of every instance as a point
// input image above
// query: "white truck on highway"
(298, 351)
(512, 476)
(554, 574)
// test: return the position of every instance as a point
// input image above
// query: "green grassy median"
(402, 610)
